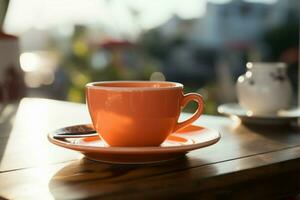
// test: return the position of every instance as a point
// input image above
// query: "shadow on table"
(85, 178)
(6, 125)
(284, 133)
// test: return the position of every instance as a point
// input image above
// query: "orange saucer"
(176, 145)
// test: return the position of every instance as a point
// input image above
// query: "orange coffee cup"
(138, 113)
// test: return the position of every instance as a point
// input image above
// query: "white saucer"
(234, 110)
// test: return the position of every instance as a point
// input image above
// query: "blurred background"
(204, 44)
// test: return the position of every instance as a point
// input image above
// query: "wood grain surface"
(248, 162)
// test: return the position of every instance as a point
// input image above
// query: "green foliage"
(79, 68)
(3, 9)
(282, 37)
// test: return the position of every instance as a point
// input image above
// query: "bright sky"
(25, 14)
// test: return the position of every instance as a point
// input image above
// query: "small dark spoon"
(79, 131)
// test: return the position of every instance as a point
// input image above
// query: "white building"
(230, 23)
(237, 23)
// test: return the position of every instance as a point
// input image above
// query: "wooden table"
(247, 163)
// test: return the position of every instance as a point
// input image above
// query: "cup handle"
(186, 99)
